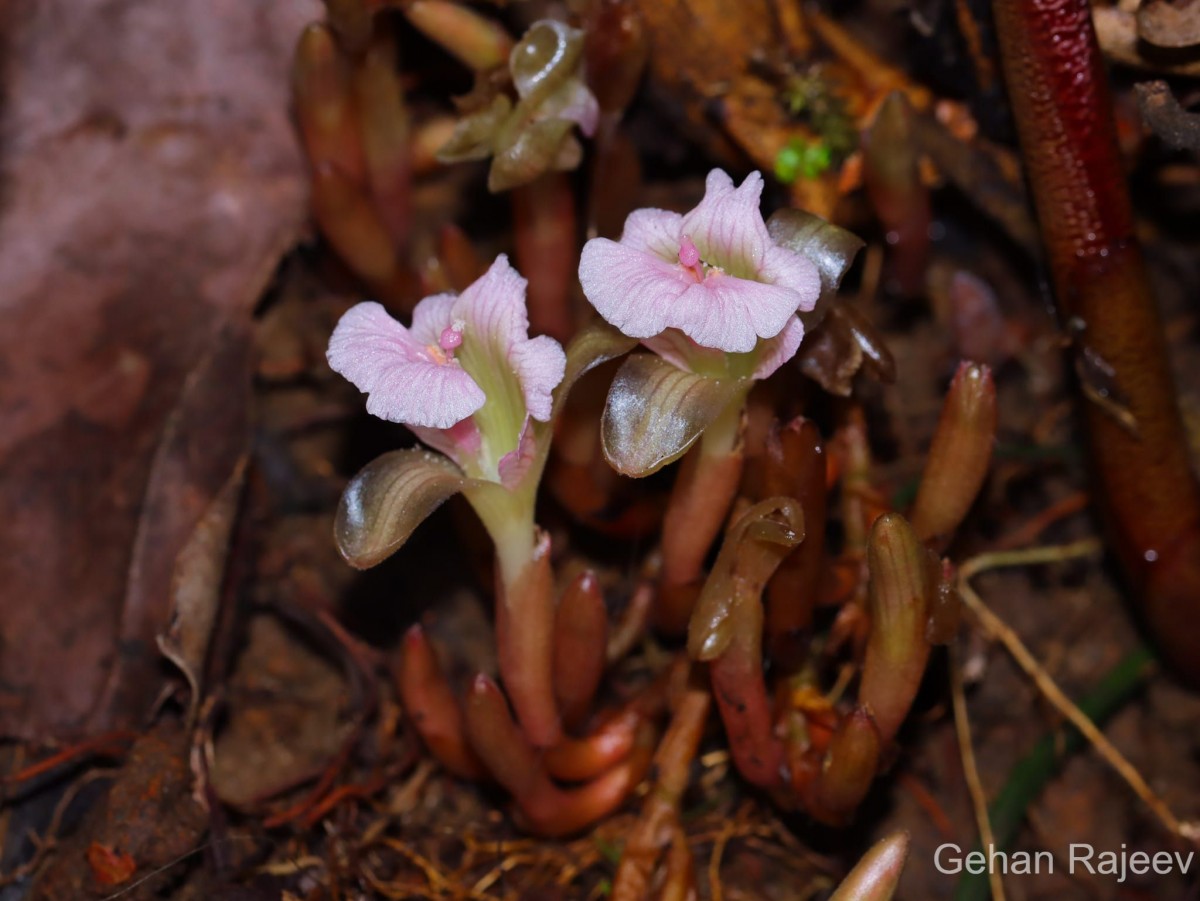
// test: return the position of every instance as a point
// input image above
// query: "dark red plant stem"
(580, 647)
(901, 201)
(1148, 493)
(386, 142)
(741, 694)
(579, 759)
(545, 808)
(499, 741)
(794, 466)
(544, 222)
(632, 624)
(615, 51)
(525, 645)
(457, 257)
(432, 708)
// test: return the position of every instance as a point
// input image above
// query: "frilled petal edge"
(540, 365)
(774, 352)
(789, 269)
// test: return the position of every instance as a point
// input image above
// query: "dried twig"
(962, 728)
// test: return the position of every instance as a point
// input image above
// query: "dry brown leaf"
(152, 183)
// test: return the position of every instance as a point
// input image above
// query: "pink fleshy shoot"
(713, 274)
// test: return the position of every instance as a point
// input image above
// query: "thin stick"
(714, 862)
(962, 728)
(1028, 531)
(996, 628)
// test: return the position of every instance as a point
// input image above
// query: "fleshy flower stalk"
(716, 298)
(467, 379)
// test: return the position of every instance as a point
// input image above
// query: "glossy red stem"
(795, 466)
(525, 646)
(893, 182)
(432, 708)
(580, 647)
(1147, 491)
(545, 808)
(545, 225)
(580, 759)
(741, 693)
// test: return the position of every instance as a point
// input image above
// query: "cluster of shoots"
(696, 312)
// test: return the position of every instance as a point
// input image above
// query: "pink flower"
(713, 274)
(466, 375)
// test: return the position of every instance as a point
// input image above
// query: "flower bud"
(899, 600)
(876, 875)
(850, 764)
(959, 455)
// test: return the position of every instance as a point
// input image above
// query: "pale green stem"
(525, 607)
(721, 436)
(508, 518)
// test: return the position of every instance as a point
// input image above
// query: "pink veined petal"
(634, 290)
(654, 231)
(731, 314)
(789, 269)
(366, 331)
(493, 306)
(539, 364)
(425, 394)
(727, 225)
(402, 381)
(774, 352)
(430, 317)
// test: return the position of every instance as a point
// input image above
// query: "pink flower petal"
(727, 225)
(493, 311)
(493, 306)
(654, 231)
(774, 352)
(732, 313)
(402, 379)
(742, 288)
(789, 269)
(540, 365)
(634, 290)
(430, 318)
